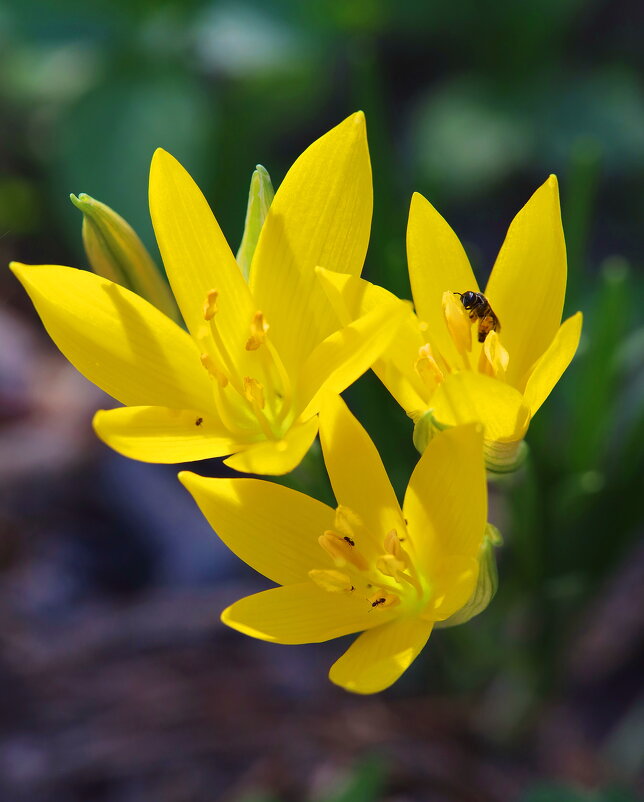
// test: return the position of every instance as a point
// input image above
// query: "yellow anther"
(333, 581)
(210, 307)
(258, 329)
(393, 546)
(254, 391)
(381, 599)
(346, 520)
(458, 322)
(390, 566)
(342, 550)
(427, 368)
(208, 363)
(494, 357)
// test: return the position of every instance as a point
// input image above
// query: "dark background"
(117, 682)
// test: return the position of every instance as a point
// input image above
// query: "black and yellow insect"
(479, 308)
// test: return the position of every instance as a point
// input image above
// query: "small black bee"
(349, 540)
(377, 602)
(199, 421)
(479, 307)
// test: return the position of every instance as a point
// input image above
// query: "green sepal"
(115, 252)
(260, 197)
(486, 585)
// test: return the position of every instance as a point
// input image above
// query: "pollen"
(210, 306)
(258, 329)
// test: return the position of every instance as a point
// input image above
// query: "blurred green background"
(472, 104)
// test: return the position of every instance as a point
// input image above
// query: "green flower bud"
(260, 197)
(115, 252)
(486, 585)
(424, 429)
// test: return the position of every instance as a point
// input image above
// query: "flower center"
(253, 390)
(381, 572)
(492, 359)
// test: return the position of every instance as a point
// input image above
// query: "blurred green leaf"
(365, 783)
(106, 141)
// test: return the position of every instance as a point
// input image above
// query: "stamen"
(333, 581)
(427, 368)
(210, 307)
(346, 520)
(393, 547)
(254, 392)
(209, 364)
(258, 329)
(341, 551)
(382, 599)
(459, 324)
(494, 357)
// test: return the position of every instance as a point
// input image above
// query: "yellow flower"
(249, 376)
(436, 368)
(367, 566)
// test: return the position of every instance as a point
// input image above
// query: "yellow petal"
(358, 477)
(159, 434)
(437, 264)
(196, 256)
(550, 367)
(352, 297)
(346, 354)
(116, 339)
(276, 457)
(302, 613)
(377, 658)
(270, 527)
(321, 215)
(452, 587)
(528, 283)
(467, 397)
(446, 500)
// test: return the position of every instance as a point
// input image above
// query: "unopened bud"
(115, 252)
(260, 197)
(425, 428)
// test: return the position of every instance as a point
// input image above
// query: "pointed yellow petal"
(196, 256)
(358, 477)
(159, 434)
(467, 397)
(377, 658)
(302, 613)
(277, 457)
(346, 354)
(528, 282)
(446, 500)
(116, 339)
(452, 587)
(352, 297)
(321, 215)
(550, 367)
(270, 527)
(437, 264)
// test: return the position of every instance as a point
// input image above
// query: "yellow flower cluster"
(271, 338)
